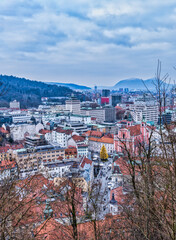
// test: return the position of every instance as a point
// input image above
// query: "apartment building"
(61, 136)
(33, 157)
(49, 169)
(147, 111)
(8, 169)
(81, 145)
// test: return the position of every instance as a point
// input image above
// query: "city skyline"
(87, 42)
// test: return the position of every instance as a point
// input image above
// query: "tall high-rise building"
(115, 99)
(126, 90)
(110, 114)
(105, 93)
(73, 105)
(95, 89)
(105, 114)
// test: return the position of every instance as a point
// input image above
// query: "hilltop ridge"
(29, 92)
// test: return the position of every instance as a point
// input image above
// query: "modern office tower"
(109, 114)
(106, 114)
(95, 89)
(73, 105)
(105, 93)
(126, 90)
(115, 99)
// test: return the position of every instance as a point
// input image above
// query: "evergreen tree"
(103, 153)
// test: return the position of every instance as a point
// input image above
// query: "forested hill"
(29, 92)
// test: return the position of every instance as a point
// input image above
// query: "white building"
(95, 144)
(98, 113)
(61, 136)
(73, 105)
(80, 118)
(19, 117)
(14, 104)
(82, 150)
(106, 114)
(19, 131)
(144, 110)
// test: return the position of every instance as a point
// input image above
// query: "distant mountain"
(28, 92)
(136, 83)
(71, 86)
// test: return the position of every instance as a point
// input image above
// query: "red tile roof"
(50, 229)
(71, 151)
(8, 146)
(77, 138)
(60, 130)
(118, 108)
(135, 130)
(44, 131)
(93, 133)
(7, 164)
(85, 161)
(118, 194)
(2, 130)
(103, 140)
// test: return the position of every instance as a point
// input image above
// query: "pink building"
(131, 138)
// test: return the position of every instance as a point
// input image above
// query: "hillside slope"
(29, 92)
(134, 83)
(138, 84)
(71, 85)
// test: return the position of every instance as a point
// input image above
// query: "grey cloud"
(82, 39)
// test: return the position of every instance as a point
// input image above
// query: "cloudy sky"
(87, 41)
